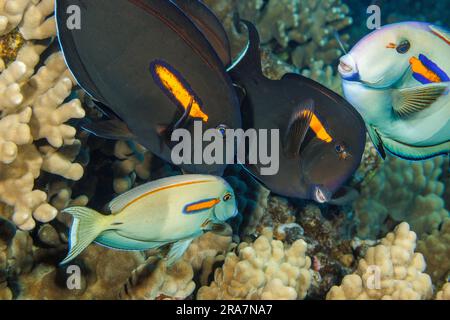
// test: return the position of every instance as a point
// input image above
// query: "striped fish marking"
(426, 71)
(200, 206)
(172, 83)
(182, 184)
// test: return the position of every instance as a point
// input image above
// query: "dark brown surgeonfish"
(322, 137)
(153, 66)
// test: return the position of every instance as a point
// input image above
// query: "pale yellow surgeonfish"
(173, 210)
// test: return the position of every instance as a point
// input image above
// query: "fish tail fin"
(87, 225)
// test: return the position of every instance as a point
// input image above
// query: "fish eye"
(339, 148)
(222, 128)
(227, 197)
(403, 47)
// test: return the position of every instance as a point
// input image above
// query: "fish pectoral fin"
(221, 228)
(109, 129)
(298, 127)
(411, 100)
(376, 140)
(177, 250)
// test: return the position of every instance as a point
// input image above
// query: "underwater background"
(393, 223)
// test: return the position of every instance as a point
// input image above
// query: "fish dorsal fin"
(376, 140)
(442, 33)
(120, 202)
(298, 127)
(208, 23)
(412, 100)
(249, 62)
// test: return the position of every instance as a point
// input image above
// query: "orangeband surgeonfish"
(172, 210)
(398, 78)
(153, 66)
(322, 137)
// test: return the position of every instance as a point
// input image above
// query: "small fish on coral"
(173, 210)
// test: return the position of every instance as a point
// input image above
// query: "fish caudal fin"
(86, 227)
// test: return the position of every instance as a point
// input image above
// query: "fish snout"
(348, 68)
(322, 194)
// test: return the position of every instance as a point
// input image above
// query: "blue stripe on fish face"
(354, 77)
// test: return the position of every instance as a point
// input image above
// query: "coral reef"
(153, 280)
(264, 269)
(436, 250)
(390, 270)
(444, 294)
(402, 191)
(34, 107)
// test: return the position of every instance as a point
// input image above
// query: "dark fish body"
(271, 105)
(112, 55)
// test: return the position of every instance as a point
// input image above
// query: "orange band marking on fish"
(177, 88)
(164, 188)
(319, 129)
(418, 67)
(201, 205)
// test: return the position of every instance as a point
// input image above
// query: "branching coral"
(402, 191)
(264, 269)
(390, 270)
(34, 108)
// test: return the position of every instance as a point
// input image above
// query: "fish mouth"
(344, 68)
(321, 195)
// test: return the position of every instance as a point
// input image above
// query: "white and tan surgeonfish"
(398, 78)
(173, 210)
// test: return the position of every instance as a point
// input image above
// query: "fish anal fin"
(408, 152)
(376, 140)
(407, 102)
(297, 127)
(109, 129)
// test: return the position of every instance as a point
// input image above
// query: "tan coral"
(32, 108)
(260, 267)
(444, 294)
(153, 280)
(38, 22)
(11, 14)
(390, 270)
(436, 249)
